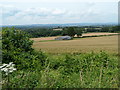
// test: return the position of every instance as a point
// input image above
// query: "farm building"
(63, 38)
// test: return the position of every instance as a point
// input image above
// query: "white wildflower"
(3, 66)
(3, 69)
(13, 65)
(10, 71)
(6, 73)
(9, 64)
(8, 68)
(14, 69)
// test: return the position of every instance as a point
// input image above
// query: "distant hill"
(61, 25)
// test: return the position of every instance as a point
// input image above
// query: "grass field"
(81, 45)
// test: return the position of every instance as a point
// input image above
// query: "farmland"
(64, 64)
(86, 34)
(59, 44)
(77, 45)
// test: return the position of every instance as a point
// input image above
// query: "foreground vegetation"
(88, 70)
(36, 69)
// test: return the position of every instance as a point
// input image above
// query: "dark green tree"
(78, 31)
(55, 33)
(105, 29)
(69, 31)
(115, 29)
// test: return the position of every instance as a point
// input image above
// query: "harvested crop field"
(86, 34)
(81, 45)
(94, 34)
(43, 38)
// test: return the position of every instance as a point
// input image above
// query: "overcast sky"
(17, 12)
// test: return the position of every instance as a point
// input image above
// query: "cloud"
(42, 12)
(58, 1)
(89, 12)
(30, 15)
(8, 10)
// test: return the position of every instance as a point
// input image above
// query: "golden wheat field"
(81, 45)
(86, 34)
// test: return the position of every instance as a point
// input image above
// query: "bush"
(17, 48)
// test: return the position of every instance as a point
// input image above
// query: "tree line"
(35, 32)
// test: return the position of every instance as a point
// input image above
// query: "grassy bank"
(90, 70)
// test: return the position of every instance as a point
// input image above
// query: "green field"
(79, 45)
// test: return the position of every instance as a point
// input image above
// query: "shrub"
(17, 48)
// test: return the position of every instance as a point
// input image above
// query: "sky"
(21, 12)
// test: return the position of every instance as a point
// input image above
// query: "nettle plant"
(8, 68)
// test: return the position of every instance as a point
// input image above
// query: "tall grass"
(90, 70)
